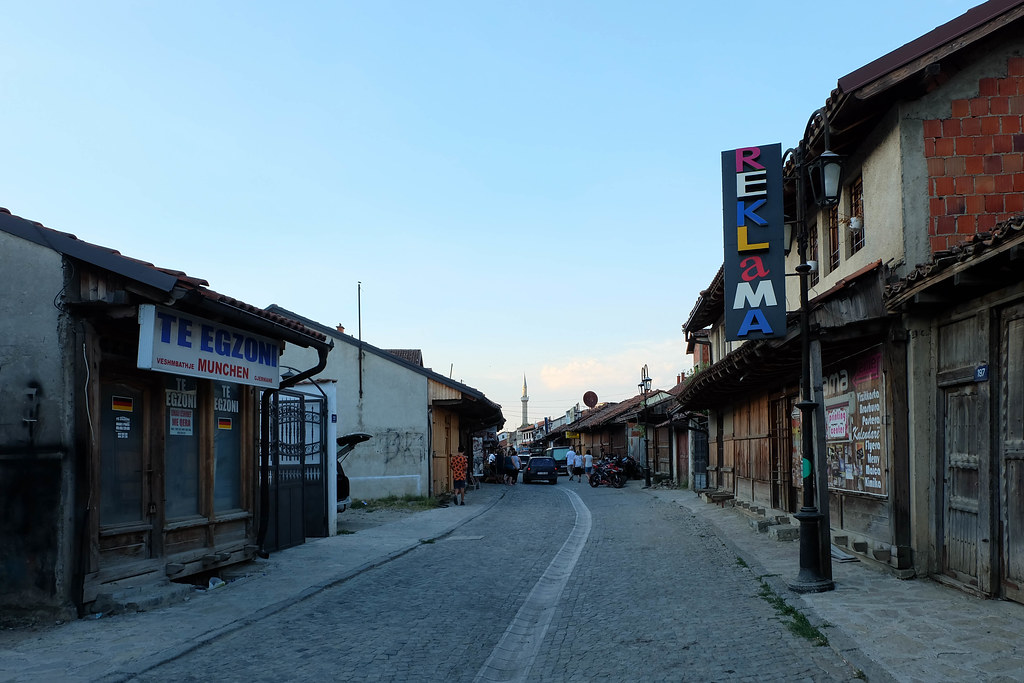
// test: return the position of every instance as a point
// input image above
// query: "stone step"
(784, 532)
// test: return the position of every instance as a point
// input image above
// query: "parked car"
(345, 445)
(541, 468)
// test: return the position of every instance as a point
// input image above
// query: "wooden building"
(917, 382)
(133, 403)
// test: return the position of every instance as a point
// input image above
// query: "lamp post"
(824, 174)
(645, 386)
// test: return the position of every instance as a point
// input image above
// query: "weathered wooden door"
(961, 486)
(1011, 457)
(781, 451)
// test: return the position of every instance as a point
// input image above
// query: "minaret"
(524, 400)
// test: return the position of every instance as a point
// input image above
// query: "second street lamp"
(645, 386)
(824, 174)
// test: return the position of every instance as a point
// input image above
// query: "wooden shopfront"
(173, 429)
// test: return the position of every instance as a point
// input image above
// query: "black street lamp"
(645, 386)
(824, 174)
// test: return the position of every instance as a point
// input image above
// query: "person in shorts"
(577, 467)
(588, 464)
(459, 465)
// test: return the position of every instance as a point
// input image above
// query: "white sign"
(182, 344)
(181, 422)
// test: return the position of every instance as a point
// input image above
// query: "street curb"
(180, 649)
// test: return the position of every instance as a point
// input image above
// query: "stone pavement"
(888, 628)
(120, 647)
(891, 629)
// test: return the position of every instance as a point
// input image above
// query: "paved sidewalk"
(891, 629)
(119, 647)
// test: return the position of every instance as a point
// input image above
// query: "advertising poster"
(856, 452)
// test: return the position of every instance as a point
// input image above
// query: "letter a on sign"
(754, 266)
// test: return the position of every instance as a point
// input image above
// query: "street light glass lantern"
(826, 173)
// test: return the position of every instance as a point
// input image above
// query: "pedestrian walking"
(570, 462)
(516, 464)
(577, 467)
(459, 466)
(507, 465)
(588, 464)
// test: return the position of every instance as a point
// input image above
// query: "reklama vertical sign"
(755, 284)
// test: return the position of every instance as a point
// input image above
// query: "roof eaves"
(931, 42)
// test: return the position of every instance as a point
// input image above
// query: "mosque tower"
(524, 400)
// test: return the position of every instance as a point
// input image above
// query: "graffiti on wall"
(400, 447)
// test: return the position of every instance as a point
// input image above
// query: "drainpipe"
(261, 536)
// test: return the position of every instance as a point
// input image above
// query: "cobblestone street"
(634, 607)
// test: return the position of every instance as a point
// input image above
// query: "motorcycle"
(630, 467)
(608, 474)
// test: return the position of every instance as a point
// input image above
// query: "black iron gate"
(298, 474)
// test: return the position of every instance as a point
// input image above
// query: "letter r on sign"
(746, 155)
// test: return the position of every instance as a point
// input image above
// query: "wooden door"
(780, 454)
(961, 541)
(1011, 456)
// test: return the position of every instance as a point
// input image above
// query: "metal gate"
(298, 469)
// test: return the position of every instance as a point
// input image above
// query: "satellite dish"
(590, 399)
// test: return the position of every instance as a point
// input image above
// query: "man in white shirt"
(570, 462)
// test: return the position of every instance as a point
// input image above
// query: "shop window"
(227, 447)
(181, 448)
(121, 455)
(856, 230)
(833, 238)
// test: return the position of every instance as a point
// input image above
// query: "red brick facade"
(976, 160)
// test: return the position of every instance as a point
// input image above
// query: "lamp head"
(826, 174)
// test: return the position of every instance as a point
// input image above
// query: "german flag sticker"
(123, 404)
(223, 423)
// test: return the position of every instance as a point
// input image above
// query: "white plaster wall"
(883, 215)
(31, 340)
(393, 408)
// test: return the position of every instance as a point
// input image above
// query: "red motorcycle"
(607, 474)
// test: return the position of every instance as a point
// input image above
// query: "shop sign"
(753, 222)
(181, 344)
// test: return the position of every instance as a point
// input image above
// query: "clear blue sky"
(521, 187)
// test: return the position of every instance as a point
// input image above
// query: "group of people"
(504, 467)
(460, 471)
(577, 465)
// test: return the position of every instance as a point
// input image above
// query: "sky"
(517, 188)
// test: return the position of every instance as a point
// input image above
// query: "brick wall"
(976, 160)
